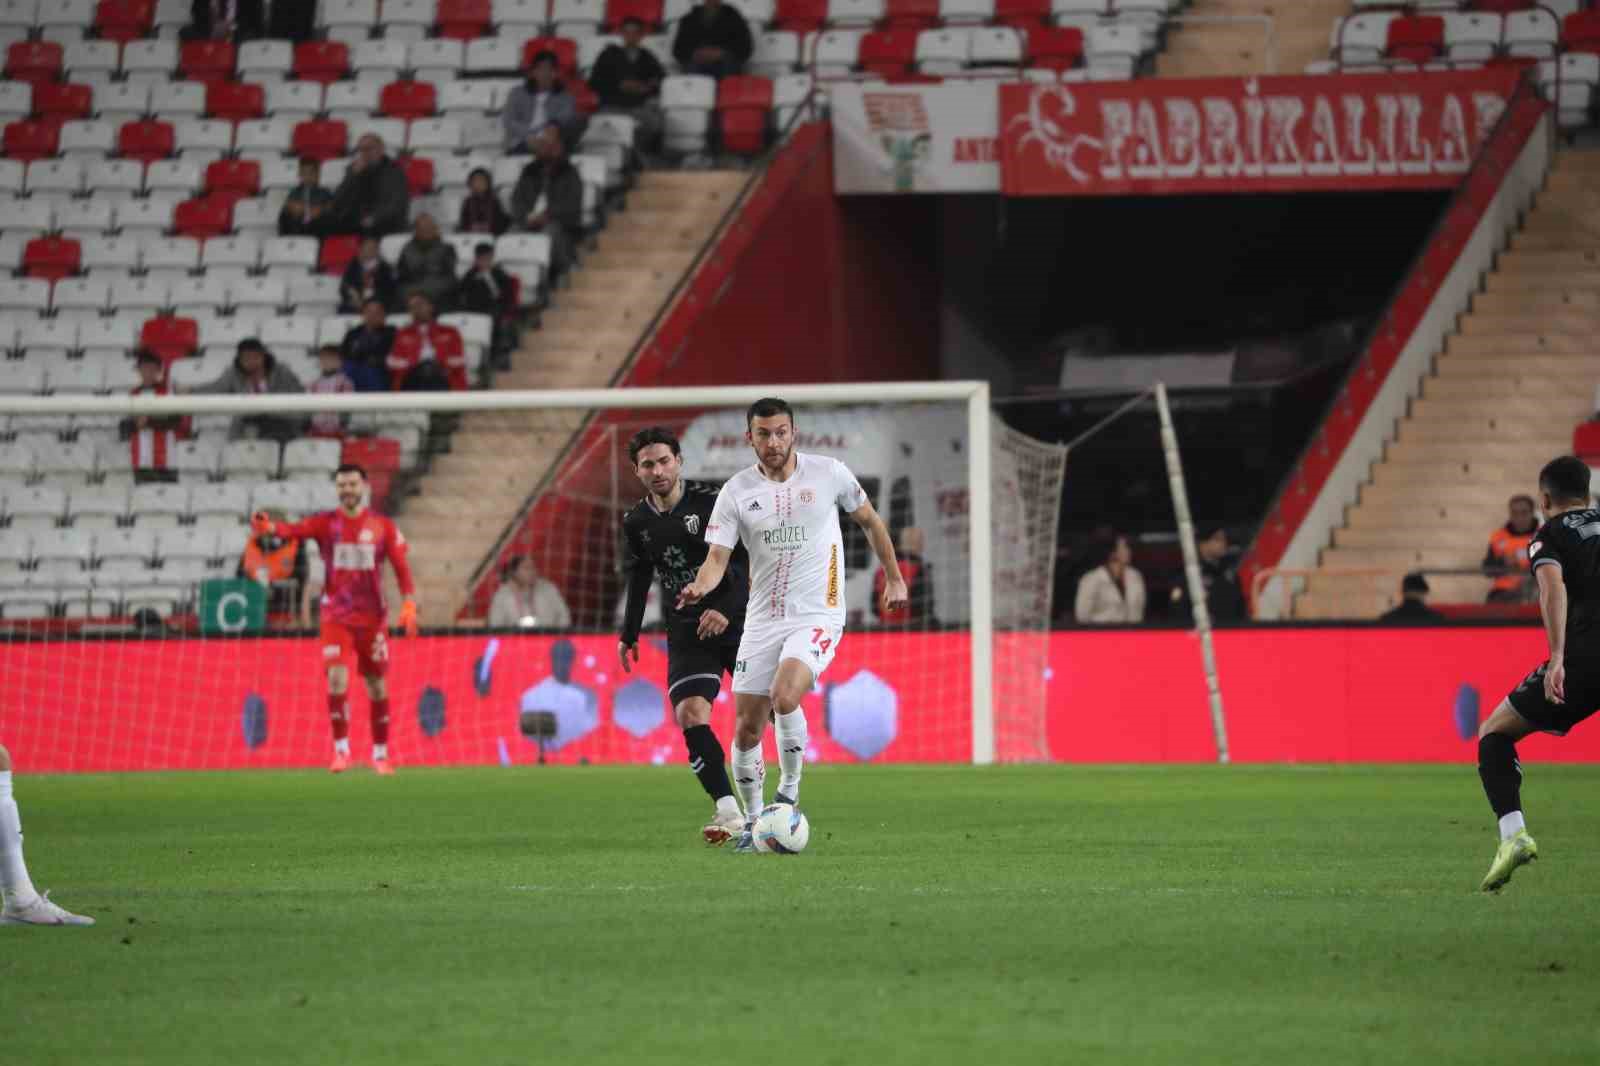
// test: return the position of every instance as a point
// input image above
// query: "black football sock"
(1500, 772)
(706, 759)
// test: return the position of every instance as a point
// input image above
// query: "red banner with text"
(1236, 135)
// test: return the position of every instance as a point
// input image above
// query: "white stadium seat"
(82, 58)
(1360, 38)
(242, 458)
(160, 498)
(110, 254)
(140, 294)
(153, 215)
(835, 53)
(259, 137)
(577, 18)
(775, 53)
(153, 62)
(82, 294)
(687, 101)
(380, 61)
(297, 252)
(256, 216)
(170, 257)
(943, 52)
(102, 501)
(351, 101)
(313, 294)
(230, 500)
(855, 14)
(437, 60)
(88, 138)
(49, 338)
(121, 177)
(468, 97)
(203, 139)
(56, 175)
(122, 102)
(264, 61)
(295, 100)
(177, 100)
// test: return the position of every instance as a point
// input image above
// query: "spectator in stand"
(1224, 600)
(714, 39)
(1507, 558)
(548, 199)
(256, 372)
(627, 79)
(427, 356)
(373, 200)
(366, 349)
(367, 277)
(538, 102)
(917, 572)
(1112, 593)
(481, 211)
(151, 438)
(526, 600)
(489, 290)
(332, 381)
(225, 20)
(428, 264)
(307, 201)
(1413, 603)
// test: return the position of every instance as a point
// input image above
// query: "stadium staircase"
(1503, 397)
(497, 459)
(1202, 50)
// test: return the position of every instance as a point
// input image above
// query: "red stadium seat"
(170, 338)
(1581, 31)
(34, 61)
(322, 61)
(801, 16)
(235, 100)
(233, 179)
(60, 101)
(322, 139)
(464, 19)
(51, 258)
(648, 12)
(124, 20)
(30, 140)
(888, 53)
(585, 98)
(408, 99)
(207, 216)
(146, 140)
(566, 51)
(913, 14)
(743, 104)
(1022, 14)
(1416, 39)
(419, 174)
(206, 60)
(336, 254)
(1055, 47)
(1586, 441)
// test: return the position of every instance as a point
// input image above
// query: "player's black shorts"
(1583, 699)
(695, 667)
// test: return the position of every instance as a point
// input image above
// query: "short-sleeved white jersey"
(791, 530)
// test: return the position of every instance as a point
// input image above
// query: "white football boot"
(41, 912)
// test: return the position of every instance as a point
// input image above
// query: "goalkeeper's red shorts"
(369, 644)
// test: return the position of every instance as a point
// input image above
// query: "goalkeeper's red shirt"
(353, 552)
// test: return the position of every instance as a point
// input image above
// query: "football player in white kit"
(785, 509)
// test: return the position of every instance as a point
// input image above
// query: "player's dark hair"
(646, 437)
(1566, 478)
(768, 407)
(351, 468)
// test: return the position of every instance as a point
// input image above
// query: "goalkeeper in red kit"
(355, 541)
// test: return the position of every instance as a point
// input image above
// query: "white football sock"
(1511, 825)
(727, 805)
(342, 747)
(749, 776)
(14, 883)
(792, 739)
(380, 752)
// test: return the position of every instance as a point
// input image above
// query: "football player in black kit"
(664, 535)
(1565, 690)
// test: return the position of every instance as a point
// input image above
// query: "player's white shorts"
(762, 649)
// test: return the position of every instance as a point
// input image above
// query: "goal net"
(143, 627)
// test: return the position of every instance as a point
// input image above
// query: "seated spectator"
(367, 277)
(489, 290)
(548, 199)
(627, 79)
(306, 203)
(277, 564)
(1112, 593)
(151, 438)
(427, 356)
(256, 371)
(225, 20)
(538, 102)
(330, 382)
(292, 20)
(1413, 603)
(481, 211)
(366, 349)
(1224, 599)
(428, 264)
(713, 39)
(1507, 557)
(373, 200)
(527, 600)
(917, 572)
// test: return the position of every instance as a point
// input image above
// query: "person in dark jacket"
(367, 277)
(306, 202)
(713, 39)
(489, 290)
(549, 199)
(374, 199)
(428, 264)
(1413, 603)
(366, 349)
(627, 78)
(1224, 599)
(224, 20)
(481, 211)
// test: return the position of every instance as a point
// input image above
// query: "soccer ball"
(782, 829)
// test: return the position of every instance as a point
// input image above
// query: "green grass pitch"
(942, 915)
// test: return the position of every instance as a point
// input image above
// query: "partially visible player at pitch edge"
(355, 542)
(785, 511)
(1562, 692)
(665, 535)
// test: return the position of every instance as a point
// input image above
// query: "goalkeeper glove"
(261, 523)
(408, 617)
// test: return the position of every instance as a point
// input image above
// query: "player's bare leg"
(1501, 775)
(707, 761)
(794, 680)
(378, 699)
(23, 905)
(339, 716)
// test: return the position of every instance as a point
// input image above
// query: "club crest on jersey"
(691, 522)
(807, 496)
